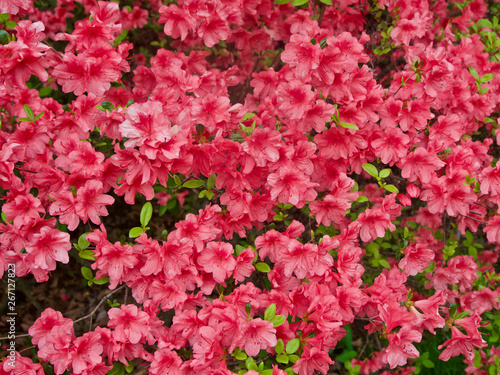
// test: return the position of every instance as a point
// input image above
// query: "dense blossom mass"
(325, 173)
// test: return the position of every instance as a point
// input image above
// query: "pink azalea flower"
(130, 324)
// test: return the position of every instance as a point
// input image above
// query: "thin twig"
(99, 304)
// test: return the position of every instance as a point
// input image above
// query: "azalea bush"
(314, 184)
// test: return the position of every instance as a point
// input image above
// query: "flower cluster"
(328, 165)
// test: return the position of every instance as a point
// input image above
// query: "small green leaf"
(162, 211)
(146, 214)
(29, 112)
(241, 356)
(87, 254)
(327, 2)
(473, 252)
(82, 242)
(278, 320)
(384, 263)
(250, 364)
(263, 267)
(371, 170)
(279, 2)
(135, 232)
(45, 91)
(486, 78)
(248, 116)
(108, 105)
(39, 115)
(282, 358)
(87, 273)
(4, 37)
(211, 181)
(193, 184)
(129, 368)
(237, 138)
(280, 346)
(298, 3)
(391, 188)
(293, 358)
(10, 24)
(4, 217)
(101, 281)
(362, 199)
(270, 312)
(292, 346)
(348, 125)
(473, 72)
(463, 314)
(428, 363)
(385, 173)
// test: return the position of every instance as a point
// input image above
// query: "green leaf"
(385, 173)
(327, 2)
(473, 252)
(4, 37)
(4, 217)
(278, 320)
(108, 105)
(193, 184)
(250, 364)
(211, 182)
(267, 372)
(39, 115)
(371, 170)
(87, 254)
(391, 188)
(45, 91)
(101, 281)
(241, 356)
(292, 346)
(248, 116)
(135, 232)
(29, 112)
(263, 267)
(146, 214)
(236, 137)
(10, 24)
(162, 211)
(486, 78)
(129, 368)
(473, 72)
(279, 2)
(282, 358)
(384, 263)
(280, 346)
(348, 125)
(87, 273)
(121, 37)
(82, 241)
(298, 3)
(293, 358)
(362, 199)
(270, 312)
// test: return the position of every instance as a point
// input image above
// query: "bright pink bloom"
(115, 261)
(373, 223)
(255, 335)
(130, 324)
(165, 362)
(48, 247)
(420, 164)
(218, 258)
(87, 352)
(302, 55)
(312, 359)
(401, 347)
(22, 209)
(417, 258)
(291, 186)
(91, 201)
(177, 21)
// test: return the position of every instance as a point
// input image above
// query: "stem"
(103, 299)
